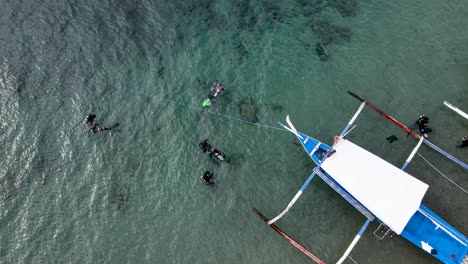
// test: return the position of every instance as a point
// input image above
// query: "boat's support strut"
(289, 239)
(304, 186)
(293, 201)
(410, 157)
(454, 108)
(354, 242)
(410, 132)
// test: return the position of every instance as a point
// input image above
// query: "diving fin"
(206, 103)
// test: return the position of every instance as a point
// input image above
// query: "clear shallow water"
(134, 195)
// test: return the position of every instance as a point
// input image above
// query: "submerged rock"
(3, 129)
(248, 109)
(321, 51)
(119, 196)
(277, 107)
(237, 160)
(347, 8)
(330, 34)
(273, 11)
(311, 8)
(241, 49)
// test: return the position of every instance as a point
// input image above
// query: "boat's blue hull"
(450, 244)
(422, 229)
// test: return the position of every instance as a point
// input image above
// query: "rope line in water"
(461, 188)
(431, 45)
(352, 259)
(237, 119)
(216, 113)
(279, 128)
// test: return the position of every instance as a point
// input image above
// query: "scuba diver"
(96, 127)
(205, 145)
(217, 155)
(215, 92)
(322, 154)
(208, 177)
(422, 123)
(392, 139)
(464, 142)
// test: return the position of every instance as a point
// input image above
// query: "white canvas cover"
(388, 192)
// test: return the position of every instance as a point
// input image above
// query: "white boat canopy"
(388, 192)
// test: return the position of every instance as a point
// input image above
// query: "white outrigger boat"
(357, 174)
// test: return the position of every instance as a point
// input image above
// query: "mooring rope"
(352, 259)
(425, 43)
(461, 188)
(217, 113)
(237, 119)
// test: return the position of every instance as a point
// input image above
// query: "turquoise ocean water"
(133, 195)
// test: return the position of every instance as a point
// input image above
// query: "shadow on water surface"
(119, 196)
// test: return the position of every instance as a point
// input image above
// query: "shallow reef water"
(134, 194)
(248, 109)
(119, 196)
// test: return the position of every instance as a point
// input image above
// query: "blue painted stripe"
(363, 228)
(405, 165)
(345, 129)
(304, 186)
(446, 154)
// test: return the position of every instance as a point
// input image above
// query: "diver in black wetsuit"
(205, 145)
(216, 91)
(208, 177)
(422, 123)
(464, 142)
(217, 155)
(96, 127)
(392, 139)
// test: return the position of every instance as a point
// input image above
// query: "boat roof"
(388, 192)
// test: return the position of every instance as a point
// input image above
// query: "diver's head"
(90, 118)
